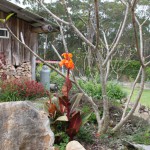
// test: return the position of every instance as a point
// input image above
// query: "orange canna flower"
(67, 55)
(67, 61)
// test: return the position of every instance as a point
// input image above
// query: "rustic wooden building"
(18, 60)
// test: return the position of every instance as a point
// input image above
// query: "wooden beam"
(45, 29)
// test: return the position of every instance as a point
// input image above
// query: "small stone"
(74, 145)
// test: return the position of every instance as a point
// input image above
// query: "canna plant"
(64, 108)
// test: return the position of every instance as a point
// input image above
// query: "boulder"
(74, 145)
(23, 127)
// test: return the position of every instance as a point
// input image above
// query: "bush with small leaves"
(17, 89)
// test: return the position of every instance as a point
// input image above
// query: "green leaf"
(85, 118)
(76, 102)
(59, 134)
(2, 20)
(62, 118)
(8, 17)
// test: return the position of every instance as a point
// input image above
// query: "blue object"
(45, 77)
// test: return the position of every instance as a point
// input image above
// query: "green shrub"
(91, 88)
(114, 91)
(18, 89)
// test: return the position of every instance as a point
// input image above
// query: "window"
(4, 33)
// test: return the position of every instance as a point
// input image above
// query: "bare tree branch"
(114, 41)
(63, 38)
(97, 23)
(108, 63)
(145, 21)
(56, 51)
(118, 38)
(131, 93)
(95, 33)
(53, 15)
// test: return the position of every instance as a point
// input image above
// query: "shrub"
(93, 89)
(17, 89)
(114, 91)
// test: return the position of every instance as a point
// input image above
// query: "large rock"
(23, 127)
(74, 145)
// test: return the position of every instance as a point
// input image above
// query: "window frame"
(5, 36)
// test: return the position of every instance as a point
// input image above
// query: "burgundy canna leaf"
(64, 101)
(66, 87)
(64, 105)
(74, 125)
(68, 84)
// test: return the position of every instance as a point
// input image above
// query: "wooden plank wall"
(14, 52)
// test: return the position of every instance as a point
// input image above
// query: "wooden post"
(34, 46)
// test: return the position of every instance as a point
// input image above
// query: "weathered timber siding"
(14, 52)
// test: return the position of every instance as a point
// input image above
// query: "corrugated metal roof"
(24, 14)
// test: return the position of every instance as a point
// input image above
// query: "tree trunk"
(105, 118)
